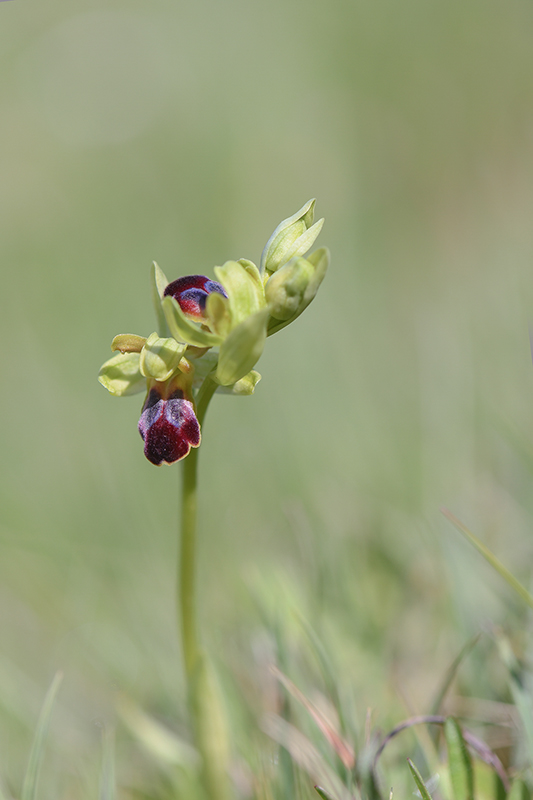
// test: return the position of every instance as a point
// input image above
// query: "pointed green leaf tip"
(459, 762)
(322, 793)
(160, 357)
(421, 786)
(293, 237)
(121, 375)
(242, 349)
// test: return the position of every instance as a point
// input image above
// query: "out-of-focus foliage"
(183, 132)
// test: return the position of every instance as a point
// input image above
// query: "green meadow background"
(184, 132)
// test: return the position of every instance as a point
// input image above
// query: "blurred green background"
(184, 132)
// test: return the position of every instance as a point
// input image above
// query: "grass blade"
(322, 793)
(29, 788)
(421, 786)
(305, 754)
(451, 672)
(521, 685)
(519, 791)
(459, 762)
(341, 747)
(107, 778)
(491, 558)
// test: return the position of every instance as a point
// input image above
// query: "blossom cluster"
(213, 329)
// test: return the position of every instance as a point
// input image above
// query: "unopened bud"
(293, 237)
(285, 289)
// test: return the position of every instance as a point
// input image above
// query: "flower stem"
(187, 566)
(189, 509)
(204, 702)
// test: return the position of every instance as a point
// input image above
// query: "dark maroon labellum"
(192, 292)
(168, 427)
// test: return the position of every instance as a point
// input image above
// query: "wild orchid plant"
(211, 333)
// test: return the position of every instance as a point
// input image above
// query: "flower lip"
(168, 427)
(191, 293)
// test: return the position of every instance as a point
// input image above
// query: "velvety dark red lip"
(168, 427)
(191, 293)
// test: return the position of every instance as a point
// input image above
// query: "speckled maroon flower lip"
(168, 426)
(191, 293)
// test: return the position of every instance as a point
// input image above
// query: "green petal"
(304, 242)
(159, 282)
(183, 329)
(244, 387)
(245, 293)
(128, 343)
(121, 375)
(160, 357)
(320, 261)
(242, 349)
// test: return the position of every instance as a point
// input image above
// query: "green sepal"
(285, 289)
(160, 357)
(218, 313)
(159, 283)
(244, 387)
(242, 349)
(320, 261)
(245, 294)
(128, 343)
(121, 375)
(293, 237)
(183, 329)
(252, 271)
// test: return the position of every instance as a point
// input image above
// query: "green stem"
(204, 702)
(187, 566)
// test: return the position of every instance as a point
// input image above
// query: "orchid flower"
(213, 329)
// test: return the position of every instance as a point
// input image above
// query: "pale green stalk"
(187, 565)
(209, 727)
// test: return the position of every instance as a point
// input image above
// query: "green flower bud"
(160, 357)
(293, 237)
(285, 289)
(121, 375)
(240, 351)
(319, 261)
